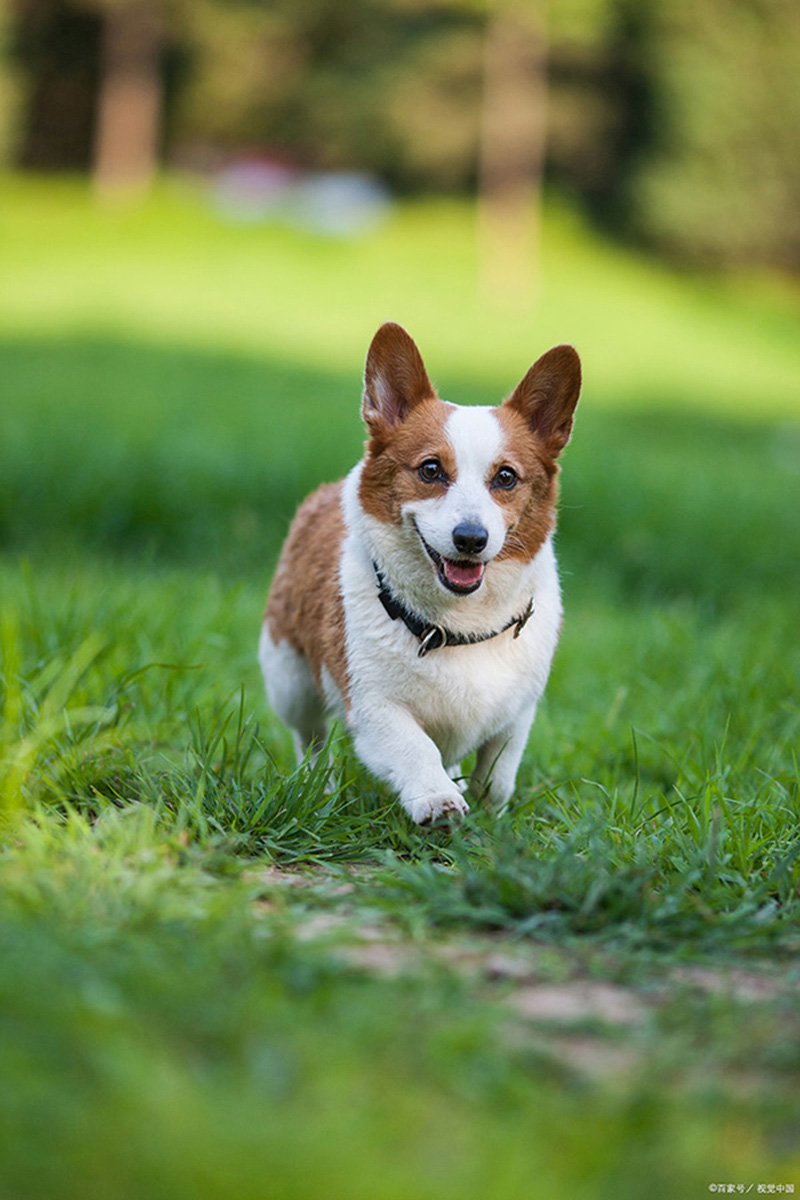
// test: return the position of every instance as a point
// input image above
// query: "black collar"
(433, 637)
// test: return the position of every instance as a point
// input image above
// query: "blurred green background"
(672, 123)
(183, 279)
(210, 206)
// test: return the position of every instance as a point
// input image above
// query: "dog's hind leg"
(498, 761)
(293, 694)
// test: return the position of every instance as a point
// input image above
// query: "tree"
(720, 181)
(512, 149)
(129, 106)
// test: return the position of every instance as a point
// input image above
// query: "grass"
(198, 1045)
(221, 975)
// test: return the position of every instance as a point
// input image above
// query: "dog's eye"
(431, 471)
(505, 478)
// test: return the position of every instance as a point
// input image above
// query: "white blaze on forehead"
(477, 439)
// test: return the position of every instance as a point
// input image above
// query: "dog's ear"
(395, 379)
(547, 396)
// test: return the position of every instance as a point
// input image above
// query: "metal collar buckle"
(522, 620)
(431, 639)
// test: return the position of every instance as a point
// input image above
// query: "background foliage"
(673, 122)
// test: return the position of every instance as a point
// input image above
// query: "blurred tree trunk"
(129, 101)
(512, 150)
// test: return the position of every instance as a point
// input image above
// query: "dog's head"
(469, 486)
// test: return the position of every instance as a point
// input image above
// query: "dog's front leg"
(498, 761)
(396, 749)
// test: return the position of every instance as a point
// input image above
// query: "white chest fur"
(461, 696)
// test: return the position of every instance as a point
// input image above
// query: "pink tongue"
(462, 574)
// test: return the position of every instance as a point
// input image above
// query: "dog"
(418, 599)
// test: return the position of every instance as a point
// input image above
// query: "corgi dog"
(418, 599)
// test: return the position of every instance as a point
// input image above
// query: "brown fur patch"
(547, 396)
(390, 477)
(305, 603)
(530, 507)
(395, 379)
(537, 422)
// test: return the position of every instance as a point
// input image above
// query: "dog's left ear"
(395, 379)
(547, 396)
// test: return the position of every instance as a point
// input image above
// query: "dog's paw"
(430, 808)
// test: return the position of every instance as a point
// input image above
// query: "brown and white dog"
(418, 599)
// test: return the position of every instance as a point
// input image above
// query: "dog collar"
(433, 637)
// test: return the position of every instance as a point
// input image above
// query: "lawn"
(218, 979)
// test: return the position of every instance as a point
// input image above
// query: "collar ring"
(431, 638)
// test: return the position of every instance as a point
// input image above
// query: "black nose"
(470, 538)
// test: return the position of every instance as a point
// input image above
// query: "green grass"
(221, 975)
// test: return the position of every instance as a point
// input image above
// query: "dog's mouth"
(459, 575)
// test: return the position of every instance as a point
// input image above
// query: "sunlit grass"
(173, 1038)
(658, 801)
(174, 273)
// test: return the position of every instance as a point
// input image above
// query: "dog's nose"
(470, 538)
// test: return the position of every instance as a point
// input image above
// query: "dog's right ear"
(395, 379)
